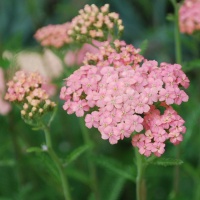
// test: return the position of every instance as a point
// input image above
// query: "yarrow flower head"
(26, 89)
(120, 95)
(95, 23)
(116, 55)
(53, 35)
(189, 16)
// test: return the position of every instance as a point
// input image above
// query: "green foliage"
(165, 162)
(75, 154)
(127, 172)
(7, 163)
(4, 63)
(34, 149)
(144, 46)
(192, 65)
(116, 189)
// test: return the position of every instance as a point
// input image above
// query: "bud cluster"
(95, 23)
(26, 90)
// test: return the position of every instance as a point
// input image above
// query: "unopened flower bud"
(33, 109)
(119, 22)
(121, 28)
(23, 112)
(41, 110)
(47, 102)
(25, 106)
(53, 104)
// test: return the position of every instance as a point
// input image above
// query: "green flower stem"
(58, 164)
(16, 152)
(91, 166)
(177, 32)
(140, 182)
(178, 60)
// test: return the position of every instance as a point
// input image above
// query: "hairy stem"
(140, 181)
(58, 163)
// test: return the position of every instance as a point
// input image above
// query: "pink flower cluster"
(27, 89)
(53, 35)
(22, 84)
(116, 55)
(95, 23)
(119, 92)
(158, 129)
(189, 16)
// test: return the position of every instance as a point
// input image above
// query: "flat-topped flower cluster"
(26, 89)
(53, 35)
(120, 92)
(92, 23)
(189, 16)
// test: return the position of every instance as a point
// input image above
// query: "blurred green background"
(31, 175)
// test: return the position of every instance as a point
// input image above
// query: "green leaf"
(34, 149)
(124, 171)
(78, 175)
(53, 115)
(116, 189)
(166, 162)
(76, 153)
(5, 198)
(193, 172)
(7, 163)
(170, 17)
(188, 66)
(191, 123)
(144, 46)
(4, 63)
(36, 128)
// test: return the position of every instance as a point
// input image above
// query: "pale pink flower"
(92, 119)
(181, 96)
(113, 102)
(175, 137)
(136, 123)
(123, 129)
(141, 106)
(168, 95)
(145, 149)
(138, 140)
(110, 134)
(68, 105)
(79, 107)
(159, 148)
(160, 136)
